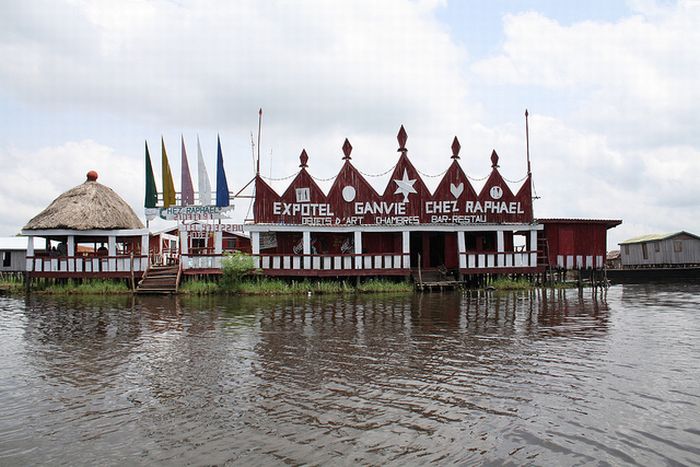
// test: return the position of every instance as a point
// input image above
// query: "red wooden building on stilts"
(356, 231)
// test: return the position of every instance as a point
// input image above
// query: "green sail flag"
(168, 184)
(151, 190)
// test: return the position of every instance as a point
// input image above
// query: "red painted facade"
(575, 237)
(405, 200)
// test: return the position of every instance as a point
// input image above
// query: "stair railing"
(179, 274)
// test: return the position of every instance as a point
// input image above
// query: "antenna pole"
(257, 171)
(527, 142)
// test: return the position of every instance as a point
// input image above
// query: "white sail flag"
(203, 178)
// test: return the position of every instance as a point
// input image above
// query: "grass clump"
(271, 286)
(267, 286)
(11, 283)
(87, 287)
(383, 285)
(196, 287)
(505, 283)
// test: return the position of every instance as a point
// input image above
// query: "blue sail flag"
(222, 198)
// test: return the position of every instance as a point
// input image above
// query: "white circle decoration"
(496, 192)
(349, 193)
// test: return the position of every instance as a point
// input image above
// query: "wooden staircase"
(160, 280)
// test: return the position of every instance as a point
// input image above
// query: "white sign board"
(189, 213)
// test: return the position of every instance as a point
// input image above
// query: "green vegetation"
(11, 283)
(505, 283)
(86, 287)
(270, 286)
(198, 287)
(382, 285)
(235, 267)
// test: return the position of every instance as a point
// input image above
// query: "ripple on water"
(523, 378)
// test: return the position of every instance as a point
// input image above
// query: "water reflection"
(526, 377)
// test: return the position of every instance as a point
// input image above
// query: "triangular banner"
(222, 195)
(202, 178)
(151, 190)
(168, 184)
(187, 190)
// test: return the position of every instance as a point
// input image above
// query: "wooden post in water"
(131, 268)
(420, 277)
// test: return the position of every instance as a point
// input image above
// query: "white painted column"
(358, 250)
(406, 249)
(218, 242)
(218, 249)
(533, 248)
(306, 240)
(184, 244)
(30, 253)
(500, 248)
(145, 245)
(255, 245)
(462, 250)
(71, 245)
(71, 253)
(111, 252)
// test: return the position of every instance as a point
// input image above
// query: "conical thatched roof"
(90, 206)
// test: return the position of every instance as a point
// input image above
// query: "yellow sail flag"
(168, 184)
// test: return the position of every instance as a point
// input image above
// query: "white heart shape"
(456, 190)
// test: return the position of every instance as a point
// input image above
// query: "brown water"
(554, 379)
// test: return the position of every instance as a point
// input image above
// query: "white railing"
(86, 264)
(377, 261)
(579, 262)
(291, 262)
(511, 259)
(209, 261)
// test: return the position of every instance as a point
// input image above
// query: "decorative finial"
(347, 149)
(494, 159)
(526, 114)
(456, 148)
(303, 158)
(402, 137)
(92, 176)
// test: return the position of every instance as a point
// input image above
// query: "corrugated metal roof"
(557, 220)
(20, 243)
(656, 237)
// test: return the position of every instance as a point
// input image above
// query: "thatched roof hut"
(89, 206)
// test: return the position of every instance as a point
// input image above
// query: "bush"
(235, 267)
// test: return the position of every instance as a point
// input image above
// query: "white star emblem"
(405, 186)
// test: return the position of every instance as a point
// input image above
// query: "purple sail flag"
(186, 187)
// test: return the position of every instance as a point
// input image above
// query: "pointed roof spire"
(456, 147)
(347, 149)
(494, 159)
(402, 137)
(304, 159)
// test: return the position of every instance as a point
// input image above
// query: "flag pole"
(527, 142)
(257, 171)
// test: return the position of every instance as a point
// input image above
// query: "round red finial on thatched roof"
(92, 176)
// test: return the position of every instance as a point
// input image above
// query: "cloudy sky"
(611, 87)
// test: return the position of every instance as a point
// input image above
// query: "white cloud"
(635, 79)
(202, 63)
